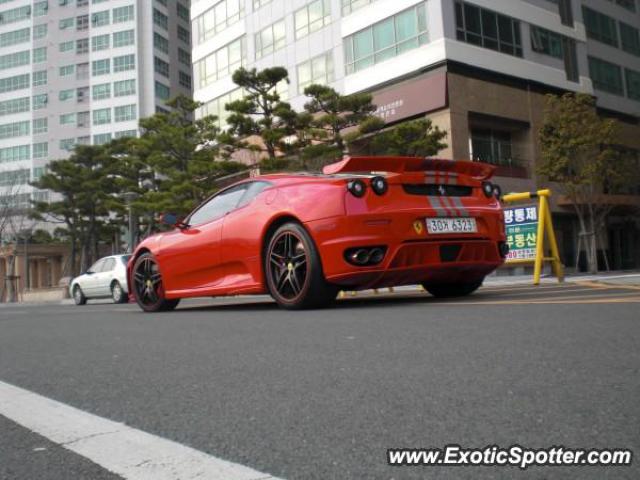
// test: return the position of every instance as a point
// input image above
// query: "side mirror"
(172, 220)
(169, 219)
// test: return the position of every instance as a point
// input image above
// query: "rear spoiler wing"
(478, 170)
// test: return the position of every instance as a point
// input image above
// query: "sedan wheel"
(117, 293)
(78, 296)
(293, 270)
(147, 286)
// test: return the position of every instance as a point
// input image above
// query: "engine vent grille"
(434, 190)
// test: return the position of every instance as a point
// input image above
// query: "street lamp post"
(129, 197)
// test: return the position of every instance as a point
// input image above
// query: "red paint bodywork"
(225, 256)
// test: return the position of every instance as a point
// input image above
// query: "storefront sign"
(522, 231)
(411, 98)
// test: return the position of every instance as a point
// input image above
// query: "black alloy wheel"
(294, 272)
(147, 286)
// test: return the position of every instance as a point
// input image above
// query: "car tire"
(293, 270)
(451, 290)
(148, 289)
(117, 293)
(78, 296)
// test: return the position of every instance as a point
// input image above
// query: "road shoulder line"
(126, 451)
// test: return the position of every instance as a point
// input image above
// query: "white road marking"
(130, 453)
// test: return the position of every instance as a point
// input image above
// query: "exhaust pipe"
(360, 257)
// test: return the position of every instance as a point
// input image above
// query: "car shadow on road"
(349, 302)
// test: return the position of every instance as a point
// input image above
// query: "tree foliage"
(260, 114)
(417, 138)
(578, 153)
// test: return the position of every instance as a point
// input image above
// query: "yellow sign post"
(527, 220)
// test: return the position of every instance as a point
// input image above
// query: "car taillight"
(357, 188)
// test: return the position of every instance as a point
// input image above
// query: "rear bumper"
(413, 256)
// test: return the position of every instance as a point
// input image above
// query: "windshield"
(125, 259)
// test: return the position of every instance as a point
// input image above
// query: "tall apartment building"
(83, 72)
(477, 68)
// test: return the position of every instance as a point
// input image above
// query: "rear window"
(125, 259)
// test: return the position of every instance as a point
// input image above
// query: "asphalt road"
(323, 394)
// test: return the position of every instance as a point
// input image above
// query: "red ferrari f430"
(365, 222)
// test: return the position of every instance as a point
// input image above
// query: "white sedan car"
(106, 278)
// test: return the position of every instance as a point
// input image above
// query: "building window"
(317, 70)
(82, 71)
(15, 15)
(100, 19)
(101, 67)
(492, 146)
(40, 101)
(633, 83)
(546, 42)
(39, 78)
(606, 76)
(125, 113)
(630, 39)
(17, 59)
(184, 35)
(15, 154)
(40, 31)
(13, 38)
(17, 82)
(68, 119)
(160, 19)
(217, 18)
(184, 79)
(13, 130)
(40, 55)
(349, 6)
(488, 29)
(386, 39)
(83, 119)
(216, 106)
(312, 17)
(124, 88)
(102, 116)
(40, 8)
(82, 46)
(66, 46)
(122, 39)
(100, 42)
(628, 4)
(600, 27)
(40, 125)
(162, 91)
(270, 39)
(220, 63)
(123, 63)
(182, 11)
(67, 144)
(184, 57)
(160, 42)
(101, 91)
(68, 94)
(40, 150)
(161, 67)
(16, 105)
(101, 138)
(66, 23)
(257, 4)
(126, 134)
(67, 70)
(123, 14)
(82, 22)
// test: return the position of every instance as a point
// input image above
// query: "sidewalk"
(612, 278)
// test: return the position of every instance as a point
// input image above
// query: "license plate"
(451, 225)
